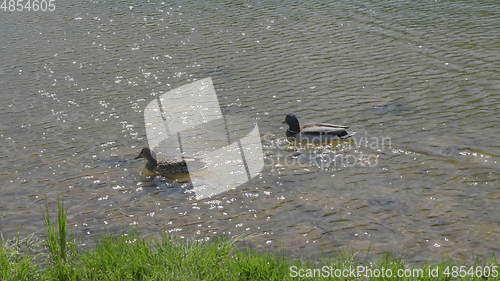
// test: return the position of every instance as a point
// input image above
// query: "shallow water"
(421, 76)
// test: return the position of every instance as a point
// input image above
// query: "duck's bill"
(138, 157)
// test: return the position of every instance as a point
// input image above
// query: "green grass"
(135, 258)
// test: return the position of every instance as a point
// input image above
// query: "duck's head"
(145, 153)
(292, 122)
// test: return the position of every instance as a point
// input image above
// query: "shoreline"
(132, 257)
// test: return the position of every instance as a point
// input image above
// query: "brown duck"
(169, 169)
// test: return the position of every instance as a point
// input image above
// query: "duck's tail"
(348, 135)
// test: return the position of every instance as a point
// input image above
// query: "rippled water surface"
(421, 75)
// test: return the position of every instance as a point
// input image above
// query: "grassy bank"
(134, 258)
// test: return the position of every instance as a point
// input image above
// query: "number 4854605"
(28, 5)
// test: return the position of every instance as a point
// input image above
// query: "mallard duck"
(320, 132)
(168, 169)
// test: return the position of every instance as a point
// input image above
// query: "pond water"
(417, 82)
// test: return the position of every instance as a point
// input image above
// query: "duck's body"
(168, 169)
(320, 132)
